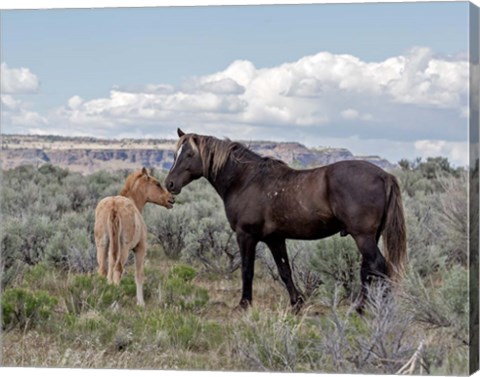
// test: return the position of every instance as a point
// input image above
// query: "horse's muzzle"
(172, 188)
(170, 203)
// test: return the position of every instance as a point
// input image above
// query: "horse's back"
(358, 178)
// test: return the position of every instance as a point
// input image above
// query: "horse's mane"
(215, 153)
(130, 182)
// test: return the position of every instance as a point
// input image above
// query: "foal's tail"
(394, 231)
(114, 231)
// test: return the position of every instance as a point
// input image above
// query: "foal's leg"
(373, 264)
(140, 252)
(111, 264)
(247, 245)
(119, 264)
(102, 254)
(279, 252)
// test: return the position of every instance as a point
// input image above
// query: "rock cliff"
(87, 155)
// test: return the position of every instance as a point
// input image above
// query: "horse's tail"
(394, 231)
(114, 232)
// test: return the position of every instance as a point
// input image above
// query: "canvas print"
(279, 188)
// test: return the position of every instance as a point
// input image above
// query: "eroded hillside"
(86, 154)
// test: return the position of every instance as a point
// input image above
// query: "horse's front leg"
(140, 252)
(247, 245)
(279, 252)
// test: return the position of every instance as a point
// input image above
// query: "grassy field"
(57, 312)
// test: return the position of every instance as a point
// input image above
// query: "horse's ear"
(144, 171)
(180, 133)
(152, 171)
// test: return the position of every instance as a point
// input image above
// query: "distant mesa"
(87, 154)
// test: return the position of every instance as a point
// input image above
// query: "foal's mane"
(215, 153)
(130, 182)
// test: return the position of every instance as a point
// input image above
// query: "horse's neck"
(138, 200)
(227, 178)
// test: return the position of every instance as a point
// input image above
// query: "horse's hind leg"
(102, 254)
(140, 252)
(119, 264)
(279, 252)
(373, 264)
(111, 265)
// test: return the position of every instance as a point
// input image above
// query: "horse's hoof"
(360, 307)
(243, 305)
(298, 305)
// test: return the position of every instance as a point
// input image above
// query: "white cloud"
(17, 80)
(223, 86)
(413, 97)
(149, 88)
(458, 152)
(9, 102)
(16, 114)
(352, 114)
(28, 118)
(429, 81)
(75, 102)
(316, 90)
(240, 71)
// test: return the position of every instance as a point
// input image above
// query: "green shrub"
(71, 247)
(300, 254)
(212, 243)
(444, 306)
(170, 228)
(182, 271)
(25, 309)
(337, 261)
(43, 276)
(77, 191)
(189, 332)
(85, 292)
(179, 291)
(455, 292)
(270, 342)
(28, 238)
(52, 172)
(94, 327)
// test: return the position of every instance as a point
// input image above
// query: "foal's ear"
(144, 171)
(180, 133)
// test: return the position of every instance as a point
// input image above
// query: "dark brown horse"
(265, 200)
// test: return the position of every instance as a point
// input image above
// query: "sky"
(379, 79)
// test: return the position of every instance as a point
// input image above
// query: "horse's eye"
(190, 154)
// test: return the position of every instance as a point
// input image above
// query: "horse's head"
(187, 165)
(154, 191)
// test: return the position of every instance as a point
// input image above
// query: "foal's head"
(142, 185)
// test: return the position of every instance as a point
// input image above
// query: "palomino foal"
(119, 227)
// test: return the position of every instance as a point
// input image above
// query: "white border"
(53, 4)
(86, 4)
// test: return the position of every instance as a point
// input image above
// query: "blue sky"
(257, 72)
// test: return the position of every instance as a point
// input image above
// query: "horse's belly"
(133, 232)
(313, 234)
(306, 230)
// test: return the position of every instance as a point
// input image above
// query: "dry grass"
(327, 336)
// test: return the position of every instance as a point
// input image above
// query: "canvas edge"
(474, 57)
